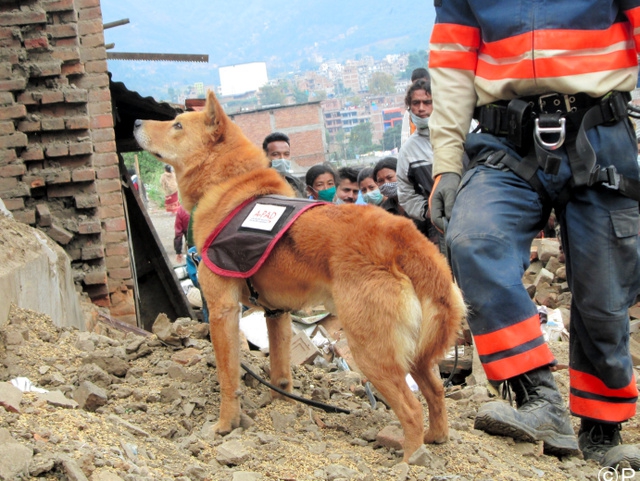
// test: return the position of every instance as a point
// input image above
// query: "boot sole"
(555, 444)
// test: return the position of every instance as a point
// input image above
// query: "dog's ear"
(213, 110)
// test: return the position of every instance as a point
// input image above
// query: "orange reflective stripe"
(601, 410)
(557, 67)
(456, 34)
(520, 363)
(449, 59)
(508, 337)
(591, 384)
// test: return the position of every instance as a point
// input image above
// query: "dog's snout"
(137, 124)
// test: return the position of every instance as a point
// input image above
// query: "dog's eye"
(177, 126)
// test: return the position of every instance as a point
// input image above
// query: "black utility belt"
(546, 115)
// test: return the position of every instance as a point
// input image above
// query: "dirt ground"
(145, 408)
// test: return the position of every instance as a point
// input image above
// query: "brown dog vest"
(241, 243)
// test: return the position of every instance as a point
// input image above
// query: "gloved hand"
(442, 198)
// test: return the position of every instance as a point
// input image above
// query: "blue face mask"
(374, 197)
(281, 165)
(327, 194)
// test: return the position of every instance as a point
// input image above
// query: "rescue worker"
(549, 84)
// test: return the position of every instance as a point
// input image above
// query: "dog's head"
(203, 147)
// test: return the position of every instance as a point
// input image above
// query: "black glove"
(442, 198)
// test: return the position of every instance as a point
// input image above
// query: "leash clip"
(559, 130)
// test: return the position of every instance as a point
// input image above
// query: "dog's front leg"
(279, 329)
(225, 334)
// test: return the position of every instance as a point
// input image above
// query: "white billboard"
(242, 78)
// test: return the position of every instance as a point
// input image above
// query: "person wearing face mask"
(277, 147)
(415, 160)
(368, 188)
(384, 174)
(321, 182)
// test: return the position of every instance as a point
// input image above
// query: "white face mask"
(420, 123)
(281, 165)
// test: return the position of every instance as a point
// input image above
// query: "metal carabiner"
(560, 130)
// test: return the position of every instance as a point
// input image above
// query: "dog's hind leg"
(279, 329)
(432, 389)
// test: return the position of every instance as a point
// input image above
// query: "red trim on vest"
(243, 275)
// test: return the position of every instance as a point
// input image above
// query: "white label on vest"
(264, 217)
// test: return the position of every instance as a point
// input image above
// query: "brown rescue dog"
(389, 286)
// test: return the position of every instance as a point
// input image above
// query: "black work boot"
(541, 414)
(602, 443)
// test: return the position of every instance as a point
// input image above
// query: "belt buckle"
(558, 101)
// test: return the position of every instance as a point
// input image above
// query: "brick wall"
(58, 162)
(304, 124)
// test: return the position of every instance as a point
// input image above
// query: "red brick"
(59, 234)
(93, 252)
(111, 211)
(63, 30)
(101, 121)
(95, 66)
(16, 139)
(29, 126)
(104, 147)
(103, 160)
(124, 273)
(87, 201)
(102, 135)
(99, 95)
(14, 111)
(112, 172)
(14, 204)
(92, 81)
(110, 199)
(93, 40)
(121, 249)
(22, 17)
(51, 97)
(26, 216)
(89, 227)
(32, 152)
(58, 177)
(34, 180)
(76, 96)
(83, 175)
(77, 123)
(12, 170)
(16, 83)
(43, 215)
(72, 69)
(56, 150)
(95, 277)
(40, 43)
(108, 185)
(52, 124)
(115, 225)
(7, 128)
(44, 69)
(88, 27)
(80, 148)
(58, 5)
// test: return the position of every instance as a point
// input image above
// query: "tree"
(382, 83)
(391, 137)
(361, 139)
(416, 60)
(272, 95)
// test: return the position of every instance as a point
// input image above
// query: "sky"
(277, 32)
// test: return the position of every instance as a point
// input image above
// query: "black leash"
(325, 407)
